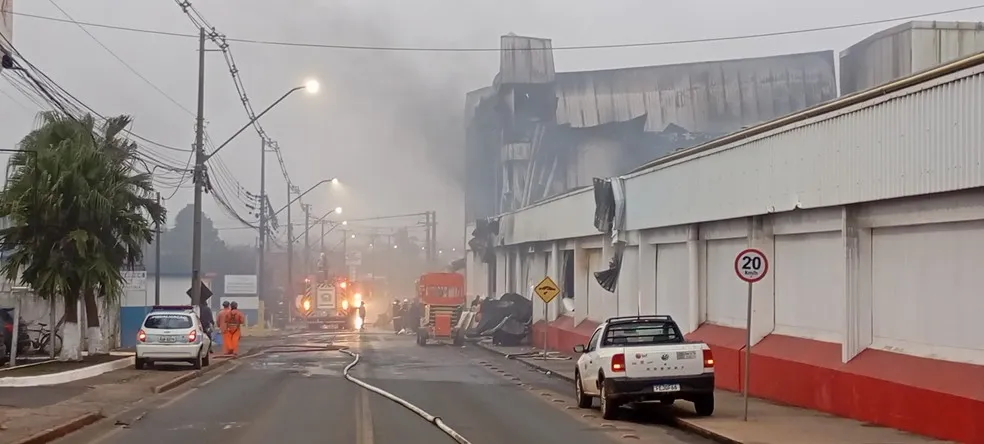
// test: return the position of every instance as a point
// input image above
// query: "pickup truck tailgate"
(664, 360)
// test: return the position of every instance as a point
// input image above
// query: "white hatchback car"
(172, 334)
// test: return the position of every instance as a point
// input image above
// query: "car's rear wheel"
(206, 361)
(609, 409)
(704, 405)
(197, 362)
(583, 401)
(139, 363)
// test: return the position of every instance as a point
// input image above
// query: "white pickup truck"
(643, 358)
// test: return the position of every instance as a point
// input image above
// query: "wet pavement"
(283, 396)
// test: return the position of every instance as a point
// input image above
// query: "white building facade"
(871, 211)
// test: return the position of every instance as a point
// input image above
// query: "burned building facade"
(535, 133)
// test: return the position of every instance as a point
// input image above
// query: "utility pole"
(199, 176)
(323, 237)
(290, 252)
(427, 237)
(433, 236)
(261, 272)
(307, 240)
(345, 236)
(157, 259)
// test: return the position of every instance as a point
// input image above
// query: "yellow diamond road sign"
(547, 289)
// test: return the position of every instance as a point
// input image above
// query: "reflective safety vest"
(234, 319)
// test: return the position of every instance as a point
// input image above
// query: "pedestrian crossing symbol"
(547, 289)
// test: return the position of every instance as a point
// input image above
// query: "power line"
(220, 40)
(492, 49)
(120, 59)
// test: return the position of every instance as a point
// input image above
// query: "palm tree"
(79, 214)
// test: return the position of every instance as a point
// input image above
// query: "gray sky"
(387, 124)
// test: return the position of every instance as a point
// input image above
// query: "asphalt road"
(287, 397)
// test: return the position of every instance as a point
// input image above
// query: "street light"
(199, 177)
(312, 86)
(338, 210)
(334, 181)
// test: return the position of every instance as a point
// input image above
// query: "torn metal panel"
(709, 97)
(525, 60)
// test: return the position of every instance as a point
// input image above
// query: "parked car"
(7, 329)
(640, 359)
(172, 334)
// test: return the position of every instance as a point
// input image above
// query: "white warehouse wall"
(868, 206)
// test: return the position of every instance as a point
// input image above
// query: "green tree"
(79, 214)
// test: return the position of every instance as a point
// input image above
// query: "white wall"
(928, 290)
(726, 295)
(809, 273)
(672, 277)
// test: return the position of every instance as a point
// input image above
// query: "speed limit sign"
(751, 265)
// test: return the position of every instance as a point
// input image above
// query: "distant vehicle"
(442, 299)
(331, 305)
(643, 358)
(172, 334)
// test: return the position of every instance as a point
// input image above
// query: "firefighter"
(397, 316)
(220, 324)
(362, 316)
(234, 320)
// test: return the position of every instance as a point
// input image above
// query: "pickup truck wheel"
(609, 410)
(583, 401)
(704, 405)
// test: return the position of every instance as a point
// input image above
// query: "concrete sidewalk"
(27, 412)
(768, 423)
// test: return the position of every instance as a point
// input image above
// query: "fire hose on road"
(437, 421)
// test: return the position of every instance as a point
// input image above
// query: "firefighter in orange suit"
(220, 325)
(232, 329)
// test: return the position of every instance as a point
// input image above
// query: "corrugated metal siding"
(713, 97)
(923, 140)
(525, 60)
(906, 49)
(934, 47)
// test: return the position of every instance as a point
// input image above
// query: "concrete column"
(610, 300)
(501, 270)
(647, 278)
(763, 292)
(537, 270)
(581, 275)
(857, 285)
(519, 278)
(695, 251)
(553, 270)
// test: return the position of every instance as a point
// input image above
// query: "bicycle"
(41, 337)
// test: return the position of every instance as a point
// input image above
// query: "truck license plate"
(663, 388)
(687, 355)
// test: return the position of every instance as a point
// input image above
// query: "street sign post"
(547, 290)
(751, 266)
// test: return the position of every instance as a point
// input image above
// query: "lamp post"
(199, 173)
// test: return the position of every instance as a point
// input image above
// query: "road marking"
(363, 418)
(366, 419)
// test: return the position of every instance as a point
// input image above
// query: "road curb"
(696, 429)
(525, 362)
(680, 423)
(180, 380)
(67, 376)
(63, 429)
